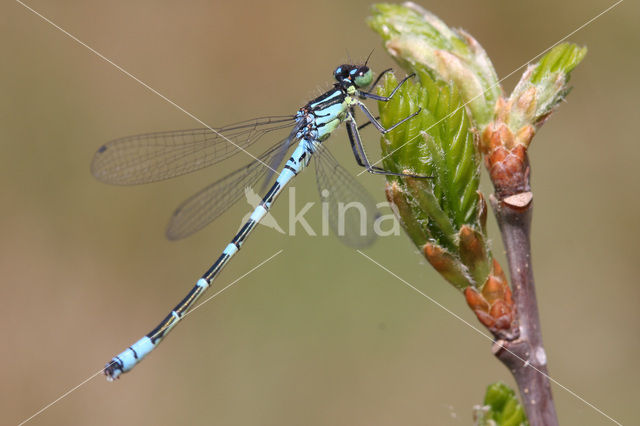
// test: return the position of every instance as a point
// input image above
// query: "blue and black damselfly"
(157, 156)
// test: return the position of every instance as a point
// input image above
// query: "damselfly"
(156, 156)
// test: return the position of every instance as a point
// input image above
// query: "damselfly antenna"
(371, 53)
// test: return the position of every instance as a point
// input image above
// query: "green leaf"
(416, 37)
(560, 60)
(501, 407)
(543, 86)
(438, 142)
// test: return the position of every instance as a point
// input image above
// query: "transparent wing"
(278, 156)
(352, 210)
(205, 206)
(162, 155)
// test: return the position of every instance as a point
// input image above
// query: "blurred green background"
(319, 335)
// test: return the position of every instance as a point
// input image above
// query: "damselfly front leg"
(358, 148)
(369, 95)
(353, 128)
(361, 156)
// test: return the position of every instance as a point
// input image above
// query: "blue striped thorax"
(322, 115)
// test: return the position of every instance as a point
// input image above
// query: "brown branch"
(524, 356)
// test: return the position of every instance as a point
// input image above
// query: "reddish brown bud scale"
(435, 256)
(526, 102)
(479, 306)
(482, 211)
(505, 149)
(496, 135)
(486, 319)
(505, 322)
(494, 304)
(499, 309)
(497, 270)
(508, 297)
(524, 135)
(396, 197)
(475, 300)
(392, 191)
(473, 253)
(447, 265)
(493, 289)
(509, 170)
(470, 240)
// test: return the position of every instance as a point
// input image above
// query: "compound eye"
(364, 77)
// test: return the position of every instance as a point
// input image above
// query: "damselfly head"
(359, 76)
